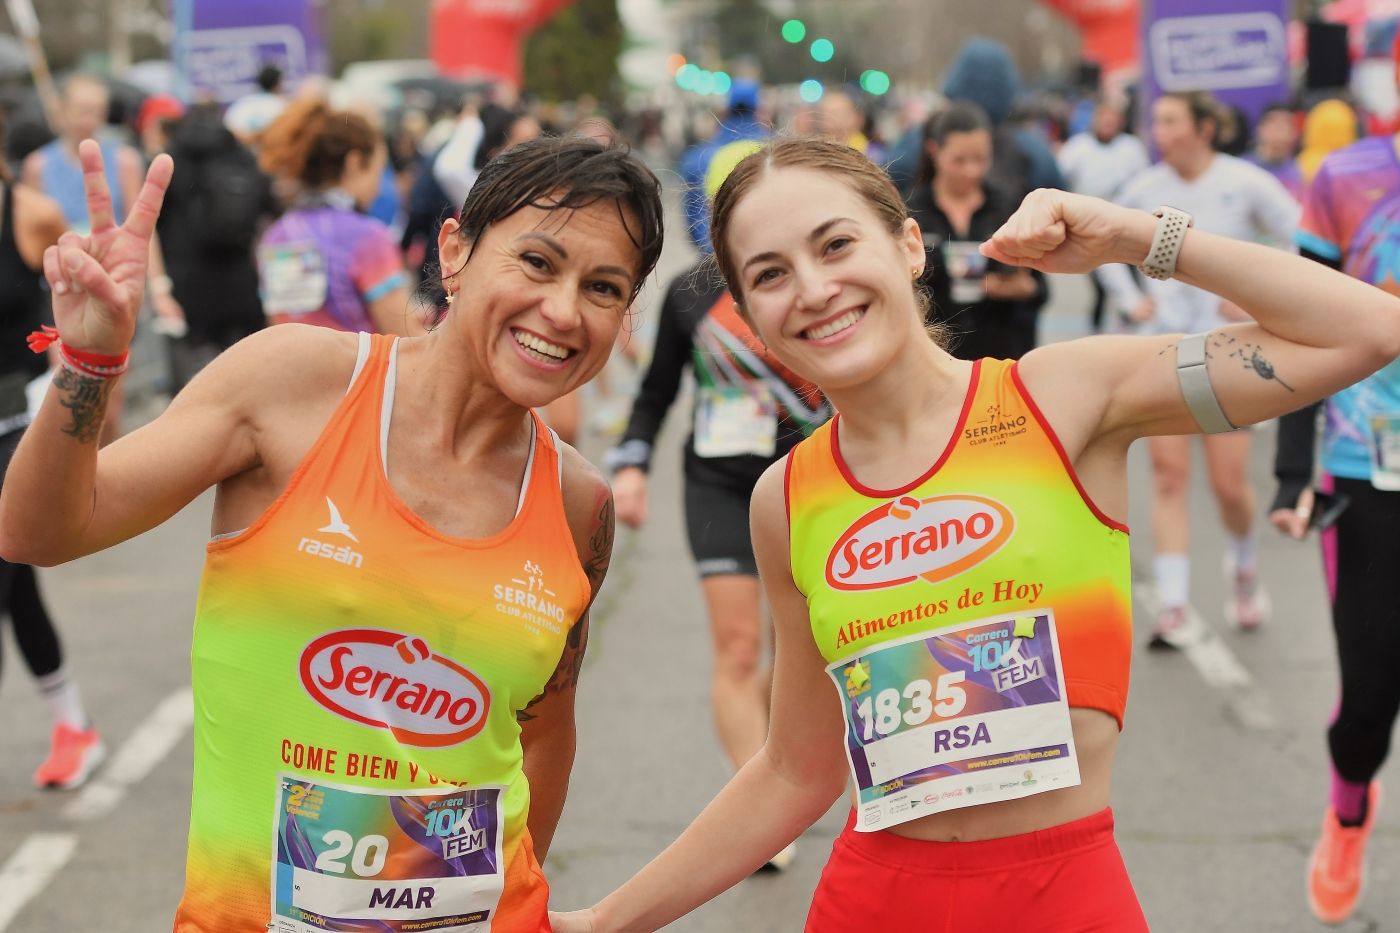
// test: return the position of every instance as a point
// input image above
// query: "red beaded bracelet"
(83, 362)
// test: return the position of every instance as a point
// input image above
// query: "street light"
(822, 50)
(874, 82)
(810, 90)
(794, 31)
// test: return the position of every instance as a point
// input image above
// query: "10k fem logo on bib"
(392, 681)
(905, 539)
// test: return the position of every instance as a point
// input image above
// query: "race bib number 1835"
(966, 716)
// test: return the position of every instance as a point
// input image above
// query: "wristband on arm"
(82, 362)
(1196, 389)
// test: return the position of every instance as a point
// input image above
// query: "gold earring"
(450, 297)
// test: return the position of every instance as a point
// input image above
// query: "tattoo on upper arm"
(86, 398)
(1249, 355)
(565, 676)
(600, 543)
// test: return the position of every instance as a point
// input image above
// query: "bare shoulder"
(588, 505)
(1077, 384)
(280, 368)
(768, 504)
(38, 223)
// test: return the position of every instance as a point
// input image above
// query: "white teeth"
(836, 326)
(541, 346)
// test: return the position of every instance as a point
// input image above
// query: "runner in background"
(954, 629)
(1351, 221)
(54, 170)
(393, 612)
(323, 262)
(1276, 147)
(1099, 162)
(1329, 126)
(1230, 197)
(29, 224)
(749, 411)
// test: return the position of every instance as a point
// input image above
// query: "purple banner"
(220, 45)
(1236, 49)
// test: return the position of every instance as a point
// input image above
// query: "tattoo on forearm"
(86, 398)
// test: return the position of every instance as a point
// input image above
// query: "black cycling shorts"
(717, 523)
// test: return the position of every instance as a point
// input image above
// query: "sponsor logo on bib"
(386, 680)
(908, 539)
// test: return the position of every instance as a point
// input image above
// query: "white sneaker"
(1248, 605)
(783, 859)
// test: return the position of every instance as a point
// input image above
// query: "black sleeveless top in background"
(24, 305)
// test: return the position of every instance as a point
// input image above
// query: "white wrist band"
(1172, 225)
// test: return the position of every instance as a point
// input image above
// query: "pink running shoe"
(1337, 869)
(73, 755)
(1248, 605)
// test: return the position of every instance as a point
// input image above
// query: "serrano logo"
(903, 540)
(390, 681)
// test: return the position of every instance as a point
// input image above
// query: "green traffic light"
(822, 50)
(794, 31)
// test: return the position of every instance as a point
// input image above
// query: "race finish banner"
(220, 45)
(1235, 49)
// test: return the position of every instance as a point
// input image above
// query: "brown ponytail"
(310, 142)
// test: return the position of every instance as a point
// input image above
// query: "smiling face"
(823, 280)
(543, 296)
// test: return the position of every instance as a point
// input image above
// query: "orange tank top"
(357, 675)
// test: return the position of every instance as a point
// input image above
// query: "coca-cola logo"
(906, 539)
(391, 681)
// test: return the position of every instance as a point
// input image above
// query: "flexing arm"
(778, 793)
(1314, 330)
(547, 732)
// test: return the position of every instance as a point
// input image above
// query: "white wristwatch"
(1172, 225)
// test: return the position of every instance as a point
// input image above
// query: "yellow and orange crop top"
(999, 523)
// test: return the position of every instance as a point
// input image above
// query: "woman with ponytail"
(324, 261)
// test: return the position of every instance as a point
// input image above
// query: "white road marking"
(142, 751)
(1216, 663)
(30, 869)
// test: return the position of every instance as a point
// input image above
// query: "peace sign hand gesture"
(97, 280)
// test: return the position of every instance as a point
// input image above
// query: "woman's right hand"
(577, 921)
(629, 487)
(1294, 522)
(97, 280)
(1056, 231)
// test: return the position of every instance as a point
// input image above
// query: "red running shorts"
(1067, 879)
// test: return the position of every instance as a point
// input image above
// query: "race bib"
(1385, 452)
(352, 859)
(294, 278)
(732, 421)
(967, 271)
(967, 716)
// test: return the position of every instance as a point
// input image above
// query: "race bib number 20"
(352, 859)
(967, 716)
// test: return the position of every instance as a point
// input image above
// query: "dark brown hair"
(840, 161)
(567, 174)
(1203, 106)
(310, 142)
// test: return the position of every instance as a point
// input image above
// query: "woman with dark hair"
(31, 222)
(989, 308)
(324, 261)
(394, 606)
